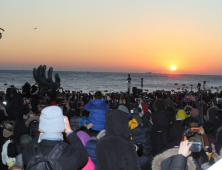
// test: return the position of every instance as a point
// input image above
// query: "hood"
(159, 104)
(181, 114)
(211, 113)
(169, 103)
(117, 123)
(20, 129)
(219, 135)
(166, 158)
(217, 156)
(83, 136)
(133, 124)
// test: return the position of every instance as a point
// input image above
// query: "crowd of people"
(61, 129)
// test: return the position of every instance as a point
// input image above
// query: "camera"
(195, 147)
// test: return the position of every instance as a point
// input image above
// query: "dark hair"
(85, 113)
(98, 95)
(159, 104)
(77, 112)
(208, 128)
(84, 129)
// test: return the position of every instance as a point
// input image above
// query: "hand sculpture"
(40, 78)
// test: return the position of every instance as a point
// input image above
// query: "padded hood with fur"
(166, 157)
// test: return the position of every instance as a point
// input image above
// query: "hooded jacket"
(159, 137)
(97, 109)
(115, 150)
(141, 134)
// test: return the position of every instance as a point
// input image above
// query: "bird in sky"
(35, 28)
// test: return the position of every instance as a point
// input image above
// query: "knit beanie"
(181, 114)
(52, 120)
(124, 109)
(24, 140)
(194, 112)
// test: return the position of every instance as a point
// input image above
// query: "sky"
(112, 35)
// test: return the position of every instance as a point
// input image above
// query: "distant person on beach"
(97, 108)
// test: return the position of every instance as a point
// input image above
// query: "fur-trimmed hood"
(156, 164)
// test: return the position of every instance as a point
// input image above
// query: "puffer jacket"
(91, 150)
(97, 109)
(141, 135)
(116, 150)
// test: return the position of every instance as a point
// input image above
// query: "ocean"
(112, 81)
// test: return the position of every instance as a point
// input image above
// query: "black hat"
(20, 129)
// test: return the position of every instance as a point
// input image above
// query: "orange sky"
(124, 36)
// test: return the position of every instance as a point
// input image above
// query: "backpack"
(48, 162)
(34, 128)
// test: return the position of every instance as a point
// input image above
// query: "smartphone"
(195, 147)
(137, 99)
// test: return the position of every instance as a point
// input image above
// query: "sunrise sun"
(173, 68)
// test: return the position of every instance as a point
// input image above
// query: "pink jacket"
(89, 165)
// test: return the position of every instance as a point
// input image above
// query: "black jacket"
(141, 135)
(72, 158)
(175, 132)
(115, 150)
(159, 137)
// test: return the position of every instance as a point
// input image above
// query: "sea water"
(112, 81)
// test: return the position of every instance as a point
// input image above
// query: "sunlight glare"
(173, 68)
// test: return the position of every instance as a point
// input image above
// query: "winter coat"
(159, 137)
(89, 165)
(116, 150)
(2, 166)
(200, 116)
(91, 150)
(84, 137)
(97, 109)
(141, 134)
(170, 160)
(175, 133)
(82, 120)
(73, 157)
